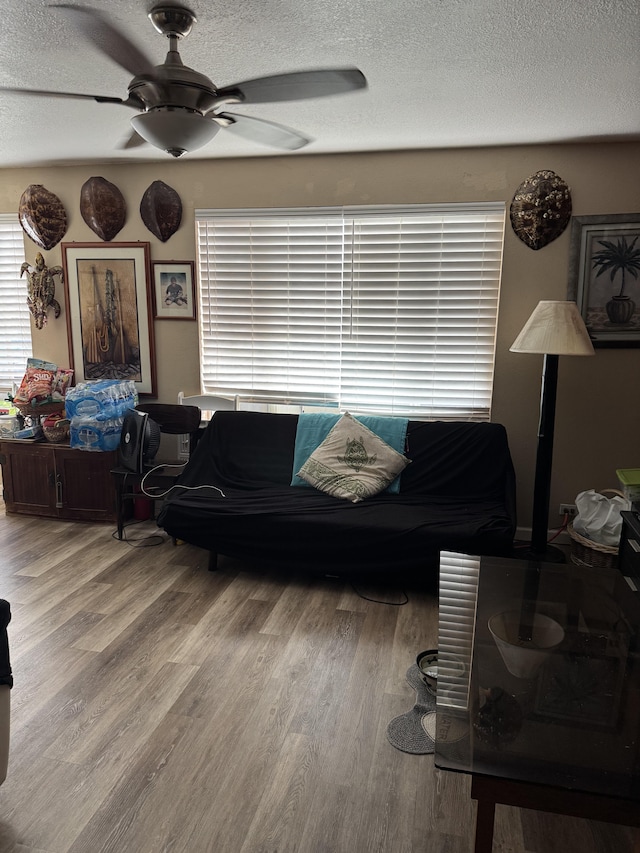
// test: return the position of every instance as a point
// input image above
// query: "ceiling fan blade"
(101, 99)
(295, 86)
(259, 130)
(108, 39)
(134, 140)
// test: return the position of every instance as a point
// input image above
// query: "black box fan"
(139, 440)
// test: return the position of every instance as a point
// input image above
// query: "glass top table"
(539, 689)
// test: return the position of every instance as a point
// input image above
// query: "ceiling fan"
(178, 109)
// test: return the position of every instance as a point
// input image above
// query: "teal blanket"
(314, 428)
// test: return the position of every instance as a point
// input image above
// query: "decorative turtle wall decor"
(42, 216)
(161, 210)
(540, 209)
(41, 290)
(103, 207)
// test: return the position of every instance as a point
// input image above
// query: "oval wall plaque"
(161, 210)
(42, 216)
(540, 209)
(103, 207)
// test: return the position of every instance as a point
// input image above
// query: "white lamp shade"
(554, 328)
(176, 131)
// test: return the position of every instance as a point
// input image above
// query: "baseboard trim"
(524, 534)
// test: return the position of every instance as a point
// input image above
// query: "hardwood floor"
(161, 708)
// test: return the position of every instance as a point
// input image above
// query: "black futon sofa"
(457, 494)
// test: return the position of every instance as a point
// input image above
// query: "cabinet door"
(28, 477)
(86, 487)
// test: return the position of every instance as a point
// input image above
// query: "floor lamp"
(554, 329)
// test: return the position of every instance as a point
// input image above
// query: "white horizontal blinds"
(457, 601)
(421, 301)
(15, 326)
(270, 305)
(369, 309)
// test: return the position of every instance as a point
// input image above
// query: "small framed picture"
(174, 290)
(604, 277)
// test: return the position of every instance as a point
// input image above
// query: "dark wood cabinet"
(57, 481)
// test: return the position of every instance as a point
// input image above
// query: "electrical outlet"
(568, 509)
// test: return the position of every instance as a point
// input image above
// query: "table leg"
(488, 791)
(484, 826)
(120, 506)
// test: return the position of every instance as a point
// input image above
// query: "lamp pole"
(544, 459)
(555, 328)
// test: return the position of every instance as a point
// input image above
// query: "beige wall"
(598, 414)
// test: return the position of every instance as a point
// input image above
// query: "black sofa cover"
(458, 494)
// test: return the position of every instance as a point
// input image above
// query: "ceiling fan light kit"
(179, 109)
(174, 130)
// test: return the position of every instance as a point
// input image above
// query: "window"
(15, 325)
(389, 310)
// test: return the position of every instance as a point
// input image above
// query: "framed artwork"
(109, 320)
(174, 290)
(604, 277)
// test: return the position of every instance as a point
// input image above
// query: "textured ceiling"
(441, 73)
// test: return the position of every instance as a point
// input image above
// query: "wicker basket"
(586, 552)
(40, 411)
(58, 433)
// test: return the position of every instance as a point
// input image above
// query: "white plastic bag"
(599, 516)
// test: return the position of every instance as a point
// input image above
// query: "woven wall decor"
(541, 209)
(161, 210)
(42, 216)
(103, 207)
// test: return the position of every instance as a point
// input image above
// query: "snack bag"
(39, 384)
(22, 394)
(61, 382)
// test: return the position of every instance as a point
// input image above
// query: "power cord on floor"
(565, 524)
(380, 601)
(143, 541)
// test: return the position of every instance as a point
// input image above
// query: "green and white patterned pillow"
(352, 462)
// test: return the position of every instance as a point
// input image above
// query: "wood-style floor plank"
(162, 708)
(118, 819)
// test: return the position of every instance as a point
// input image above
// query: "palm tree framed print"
(604, 277)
